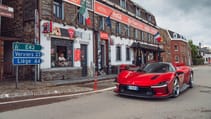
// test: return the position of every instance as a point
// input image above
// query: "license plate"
(132, 88)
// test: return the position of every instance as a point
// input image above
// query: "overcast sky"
(191, 18)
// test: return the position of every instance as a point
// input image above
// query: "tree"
(196, 58)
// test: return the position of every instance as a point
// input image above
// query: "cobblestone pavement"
(28, 89)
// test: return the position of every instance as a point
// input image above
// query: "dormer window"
(150, 18)
(138, 12)
(123, 3)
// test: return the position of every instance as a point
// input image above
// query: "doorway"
(84, 59)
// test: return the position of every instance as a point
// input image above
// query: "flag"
(108, 20)
(84, 12)
(158, 37)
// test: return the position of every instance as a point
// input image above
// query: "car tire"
(191, 81)
(176, 88)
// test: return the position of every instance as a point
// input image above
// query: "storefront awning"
(146, 47)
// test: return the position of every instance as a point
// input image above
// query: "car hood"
(143, 79)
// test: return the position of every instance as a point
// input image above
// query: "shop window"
(118, 53)
(123, 3)
(127, 54)
(61, 53)
(58, 9)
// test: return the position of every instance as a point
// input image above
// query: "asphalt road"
(192, 104)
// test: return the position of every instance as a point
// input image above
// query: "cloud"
(190, 18)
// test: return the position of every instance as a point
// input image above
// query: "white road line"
(61, 96)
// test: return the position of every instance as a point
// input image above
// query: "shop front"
(121, 52)
(145, 53)
(65, 50)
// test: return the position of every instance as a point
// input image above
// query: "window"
(136, 34)
(57, 9)
(176, 58)
(148, 37)
(118, 28)
(118, 53)
(142, 35)
(149, 18)
(175, 48)
(102, 22)
(61, 53)
(123, 3)
(128, 31)
(138, 12)
(127, 54)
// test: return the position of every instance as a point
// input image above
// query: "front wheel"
(191, 80)
(176, 88)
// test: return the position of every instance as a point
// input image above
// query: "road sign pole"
(16, 76)
(35, 74)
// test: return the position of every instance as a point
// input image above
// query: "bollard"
(95, 82)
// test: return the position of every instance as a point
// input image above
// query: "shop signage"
(6, 11)
(47, 27)
(121, 17)
(104, 35)
(77, 54)
(26, 54)
(71, 33)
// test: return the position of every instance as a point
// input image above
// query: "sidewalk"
(28, 89)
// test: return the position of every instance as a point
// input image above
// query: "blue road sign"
(26, 61)
(25, 54)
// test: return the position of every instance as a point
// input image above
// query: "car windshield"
(156, 68)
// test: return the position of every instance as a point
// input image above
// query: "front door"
(84, 59)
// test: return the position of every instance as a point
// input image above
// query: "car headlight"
(160, 85)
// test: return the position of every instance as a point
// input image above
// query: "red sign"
(76, 2)
(77, 54)
(71, 33)
(121, 17)
(104, 35)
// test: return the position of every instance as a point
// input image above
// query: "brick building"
(176, 48)
(86, 48)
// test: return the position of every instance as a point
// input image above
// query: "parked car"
(155, 80)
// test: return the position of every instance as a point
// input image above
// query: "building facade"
(205, 53)
(176, 48)
(121, 32)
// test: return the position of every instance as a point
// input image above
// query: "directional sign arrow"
(26, 46)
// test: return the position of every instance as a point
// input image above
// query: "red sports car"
(155, 80)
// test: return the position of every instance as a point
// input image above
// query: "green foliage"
(196, 58)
